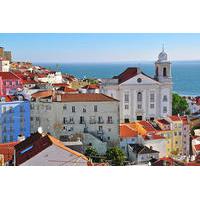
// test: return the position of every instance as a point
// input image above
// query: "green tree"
(179, 105)
(91, 153)
(116, 155)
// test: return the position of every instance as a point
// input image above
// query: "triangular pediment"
(140, 79)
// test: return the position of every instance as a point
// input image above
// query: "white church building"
(142, 97)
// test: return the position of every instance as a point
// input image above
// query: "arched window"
(139, 96)
(164, 71)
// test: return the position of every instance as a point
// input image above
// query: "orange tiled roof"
(91, 87)
(127, 132)
(175, 118)
(153, 137)
(147, 126)
(85, 98)
(67, 89)
(42, 94)
(7, 149)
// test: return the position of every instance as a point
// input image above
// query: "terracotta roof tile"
(127, 132)
(127, 74)
(8, 75)
(175, 118)
(85, 98)
(147, 126)
(163, 121)
(7, 149)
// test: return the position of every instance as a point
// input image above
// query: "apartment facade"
(66, 114)
(15, 119)
(9, 83)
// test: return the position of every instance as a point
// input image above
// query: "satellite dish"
(40, 130)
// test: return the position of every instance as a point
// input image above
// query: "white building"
(142, 97)
(45, 150)
(96, 116)
(52, 78)
(4, 65)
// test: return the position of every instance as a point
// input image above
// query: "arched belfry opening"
(164, 72)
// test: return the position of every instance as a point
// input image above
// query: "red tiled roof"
(60, 84)
(42, 94)
(184, 119)
(127, 74)
(127, 132)
(7, 149)
(147, 126)
(175, 118)
(91, 87)
(85, 98)
(67, 89)
(8, 75)
(153, 137)
(197, 147)
(163, 121)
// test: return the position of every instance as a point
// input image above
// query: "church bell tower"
(163, 68)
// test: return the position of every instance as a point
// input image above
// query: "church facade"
(142, 97)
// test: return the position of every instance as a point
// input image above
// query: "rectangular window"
(152, 106)
(84, 109)
(71, 120)
(126, 107)
(100, 128)
(95, 108)
(139, 106)
(82, 121)
(92, 120)
(73, 109)
(64, 120)
(110, 120)
(152, 97)
(126, 98)
(165, 109)
(64, 107)
(100, 120)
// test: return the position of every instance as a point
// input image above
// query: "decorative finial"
(163, 47)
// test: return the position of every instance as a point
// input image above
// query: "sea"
(185, 74)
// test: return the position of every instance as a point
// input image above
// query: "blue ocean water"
(185, 74)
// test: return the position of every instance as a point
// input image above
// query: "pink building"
(9, 83)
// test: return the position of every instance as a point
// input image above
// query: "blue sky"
(65, 47)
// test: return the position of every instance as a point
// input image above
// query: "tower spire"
(163, 47)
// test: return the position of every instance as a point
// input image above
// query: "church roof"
(130, 73)
(127, 74)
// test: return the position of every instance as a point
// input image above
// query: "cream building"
(142, 97)
(93, 115)
(4, 65)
